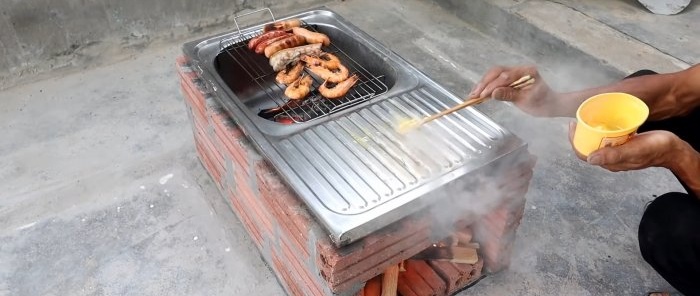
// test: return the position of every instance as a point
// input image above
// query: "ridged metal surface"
(359, 161)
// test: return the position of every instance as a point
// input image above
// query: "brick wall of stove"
(296, 247)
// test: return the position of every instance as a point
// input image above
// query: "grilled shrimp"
(333, 75)
(336, 90)
(325, 60)
(290, 74)
(300, 88)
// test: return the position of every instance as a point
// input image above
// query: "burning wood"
(373, 287)
(453, 254)
(390, 281)
(464, 236)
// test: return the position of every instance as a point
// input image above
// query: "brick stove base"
(296, 247)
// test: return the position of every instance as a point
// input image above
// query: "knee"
(664, 219)
(641, 73)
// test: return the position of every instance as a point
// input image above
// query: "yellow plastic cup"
(606, 120)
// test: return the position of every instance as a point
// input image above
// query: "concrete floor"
(102, 193)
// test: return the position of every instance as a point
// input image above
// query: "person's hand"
(535, 99)
(649, 149)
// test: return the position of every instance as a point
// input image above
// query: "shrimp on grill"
(325, 60)
(333, 75)
(290, 74)
(332, 90)
(300, 88)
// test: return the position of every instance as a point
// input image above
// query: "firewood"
(464, 236)
(390, 280)
(454, 240)
(453, 254)
(472, 245)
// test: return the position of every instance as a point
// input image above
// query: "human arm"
(667, 95)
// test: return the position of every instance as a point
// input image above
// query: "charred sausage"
(260, 48)
(287, 42)
(265, 36)
(282, 25)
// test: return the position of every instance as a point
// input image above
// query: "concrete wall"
(38, 36)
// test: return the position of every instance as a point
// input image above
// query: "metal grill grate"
(314, 106)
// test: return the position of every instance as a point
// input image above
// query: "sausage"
(282, 25)
(288, 42)
(312, 37)
(265, 36)
(262, 45)
(290, 55)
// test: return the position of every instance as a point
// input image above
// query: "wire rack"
(314, 106)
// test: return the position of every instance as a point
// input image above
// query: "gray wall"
(38, 36)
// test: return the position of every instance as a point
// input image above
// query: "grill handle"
(235, 18)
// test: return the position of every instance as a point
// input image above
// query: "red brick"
(299, 269)
(194, 98)
(215, 159)
(230, 129)
(417, 283)
(209, 165)
(368, 274)
(420, 267)
(290, 231)
(496, 233)
(253, 204)
(336, 275)
(287, 216)
(231, 148)
(285, 277)
(339, 258)
(447, 272)
(404, 287)
(289, 210)
(478, 269)
(183, 69)
(245, 219)
(465, 271)
(197, 112)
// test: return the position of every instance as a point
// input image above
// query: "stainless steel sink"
(350, 167)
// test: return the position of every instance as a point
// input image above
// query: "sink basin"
(252, 79)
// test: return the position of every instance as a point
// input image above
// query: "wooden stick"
(452, 254)
(521, 80)
(472, 245)
(524, 84)
(405, 127)
(458, 107)
(390, 281)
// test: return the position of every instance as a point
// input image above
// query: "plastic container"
(608, 119)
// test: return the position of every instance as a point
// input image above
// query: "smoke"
(488, 184)
(568, 76)
(504, 183)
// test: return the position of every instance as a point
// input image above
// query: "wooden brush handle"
(462, 105)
